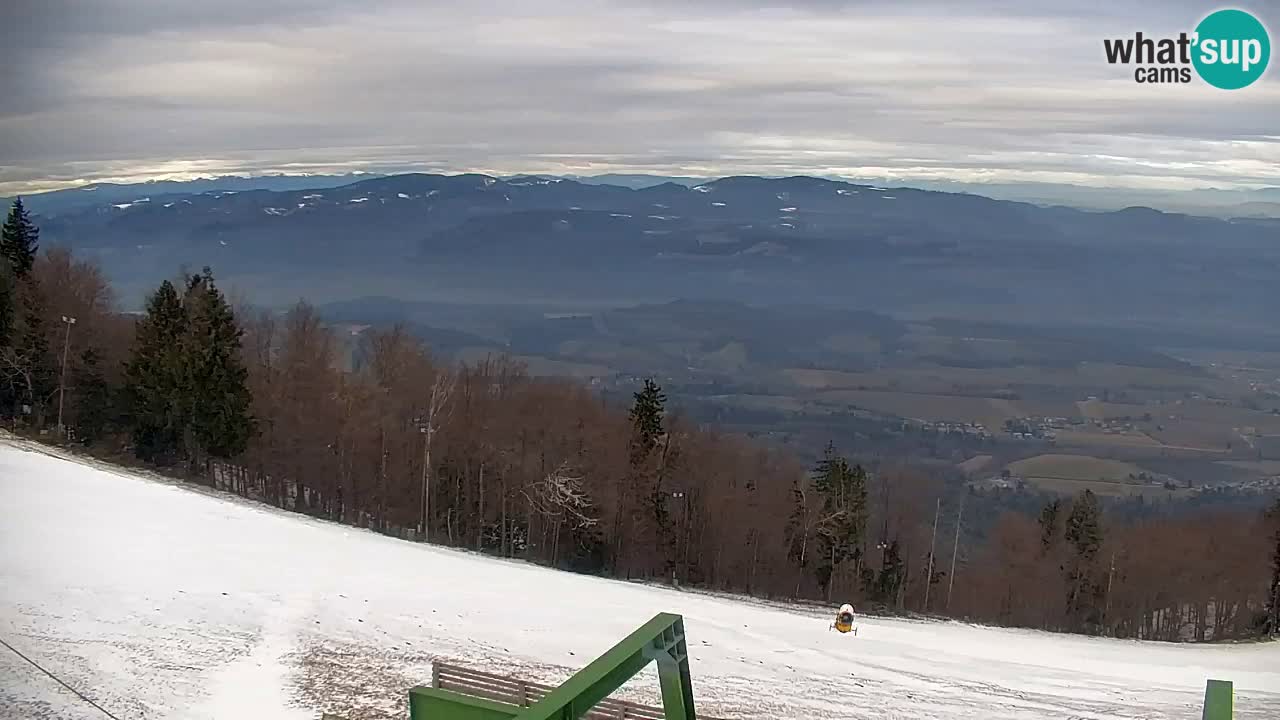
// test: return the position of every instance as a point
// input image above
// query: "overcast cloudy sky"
(970, 90)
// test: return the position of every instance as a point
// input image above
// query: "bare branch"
(561, 495)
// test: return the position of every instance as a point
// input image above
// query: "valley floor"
(160, 601)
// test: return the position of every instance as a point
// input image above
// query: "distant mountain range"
(60, 201)
(1214, 202)
(565, 243)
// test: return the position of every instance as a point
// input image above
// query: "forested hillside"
(480, 455)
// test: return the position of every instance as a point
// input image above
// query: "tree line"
(374, 431)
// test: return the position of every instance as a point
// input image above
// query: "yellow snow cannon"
(844, 620)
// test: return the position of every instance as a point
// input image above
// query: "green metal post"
(1219, 701)
(673, 674)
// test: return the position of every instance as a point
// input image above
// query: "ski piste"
(196, 580)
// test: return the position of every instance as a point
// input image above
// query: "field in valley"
(806, 377)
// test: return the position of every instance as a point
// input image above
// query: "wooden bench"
(522, 693)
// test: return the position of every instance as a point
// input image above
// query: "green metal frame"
(661, 640)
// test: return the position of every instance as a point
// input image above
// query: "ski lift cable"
(58, 680)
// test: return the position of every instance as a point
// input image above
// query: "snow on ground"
(159, 600)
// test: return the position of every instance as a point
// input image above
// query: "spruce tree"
(1049, 516)
(92, 397)
(153, 377)
(647, 415)
(842, 527)
(646, 420)
(1084, 537)
(19, 240)
(215, 381)
(1084, 526)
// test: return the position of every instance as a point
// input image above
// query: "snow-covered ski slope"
(160, 601)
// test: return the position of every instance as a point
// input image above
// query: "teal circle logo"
(1231, 49)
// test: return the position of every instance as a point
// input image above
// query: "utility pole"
(1106, 610)
(680, 495)
(426, 430)
(884, 528)
(955, 549)
(62, 381)
(928, 578)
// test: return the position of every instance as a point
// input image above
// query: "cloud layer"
(988, 90)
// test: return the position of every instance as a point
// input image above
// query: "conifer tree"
(1084, 536)
(646, 420)
(1049, 517)
(19, 240)
(1084, 526)
(842, 527)
(154, 377)
(93, 397)
(215, 391)
(647, 430)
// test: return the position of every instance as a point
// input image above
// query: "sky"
(966, 90)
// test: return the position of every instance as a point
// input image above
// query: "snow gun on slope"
(844, 620)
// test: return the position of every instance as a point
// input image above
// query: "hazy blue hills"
(554, 241)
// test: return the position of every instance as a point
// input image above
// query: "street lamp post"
(425, 428)
(684, 530)
(62, 381)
